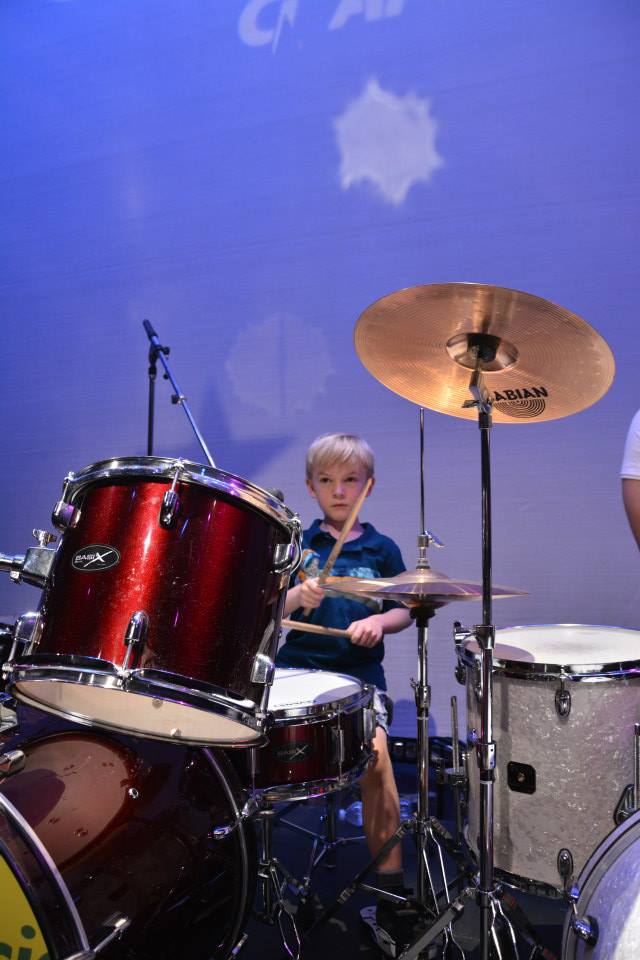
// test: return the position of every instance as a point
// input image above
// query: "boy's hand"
(311, 594)
(367, 632)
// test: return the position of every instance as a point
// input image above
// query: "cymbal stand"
(490, 908)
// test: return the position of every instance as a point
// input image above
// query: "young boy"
(337, 468)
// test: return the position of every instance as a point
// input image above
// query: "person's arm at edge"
(631, 500)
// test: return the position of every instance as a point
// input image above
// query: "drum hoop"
(309, 789)
(46, 862)
(164, 468)
(313, 711)
(243, 840)
(538, 670)
(240, 711)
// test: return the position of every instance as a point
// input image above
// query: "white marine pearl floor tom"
(565, 700)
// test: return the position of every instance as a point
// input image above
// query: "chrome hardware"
(339, 755)
(43, 537)
(563, 701)
(37, 565)
(12, 565)
(65, 516)
(287, 555)
(136, 633)
(585, 928)
(33, 568)
(625, 806)
(11, 762)
(477, 685)
(564, 863)
(27, 631)
(369, 723)
(119, 923)
(250, 808)
(283, 556)
(262, 670)
(170, 501)
(169, 509)
(460, 634)
(472, 738)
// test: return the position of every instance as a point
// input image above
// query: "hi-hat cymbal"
(538, 360)
(416, 588)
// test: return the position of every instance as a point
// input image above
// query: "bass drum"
(609, 900)
(108, 844)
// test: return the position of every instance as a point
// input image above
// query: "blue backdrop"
(250, 175)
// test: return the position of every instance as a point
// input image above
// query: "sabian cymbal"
(541, 361)
(415, 588)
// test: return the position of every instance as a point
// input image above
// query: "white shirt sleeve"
(630, 469)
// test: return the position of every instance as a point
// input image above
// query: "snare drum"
(106, 845)
(565, 700)
(162, 613)
(321, 740)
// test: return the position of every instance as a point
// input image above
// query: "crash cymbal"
(415, 588)
(538, 360)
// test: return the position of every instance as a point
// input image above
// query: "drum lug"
(262, 670)
(286, 556)
(169, 509)
(65, 516)
(11, 762)
(136, 633)
(563, 701)
(369, 723)
(337, 735)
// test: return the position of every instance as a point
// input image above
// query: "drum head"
(161, 718)
(297, 692)
(576, 648)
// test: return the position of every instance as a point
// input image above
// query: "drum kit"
(144, 727)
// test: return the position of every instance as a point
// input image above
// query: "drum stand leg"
(324, 844)
(274, 879)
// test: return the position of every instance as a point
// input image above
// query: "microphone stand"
(159, 352)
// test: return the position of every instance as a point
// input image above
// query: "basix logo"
(95, 557)
(294, 752)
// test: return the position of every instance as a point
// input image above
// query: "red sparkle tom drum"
(118, 846)
(162, 612)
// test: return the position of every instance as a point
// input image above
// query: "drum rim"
(538, 669)
(243, 712)
(164, 468)
(589, 877)
(309, 789)
(361, 697)
(50, 869)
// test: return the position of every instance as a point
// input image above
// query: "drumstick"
(315, 628)
(344, 533)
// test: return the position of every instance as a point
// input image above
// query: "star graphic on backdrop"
(387, 140)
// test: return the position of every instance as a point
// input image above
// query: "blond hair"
(338, 448)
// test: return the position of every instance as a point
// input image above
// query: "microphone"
(151, 333)
(278, 494)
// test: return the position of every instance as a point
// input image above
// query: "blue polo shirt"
(370, 555)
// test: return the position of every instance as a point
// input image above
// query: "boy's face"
(336, 487)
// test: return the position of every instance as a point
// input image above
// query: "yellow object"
(20, 934)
